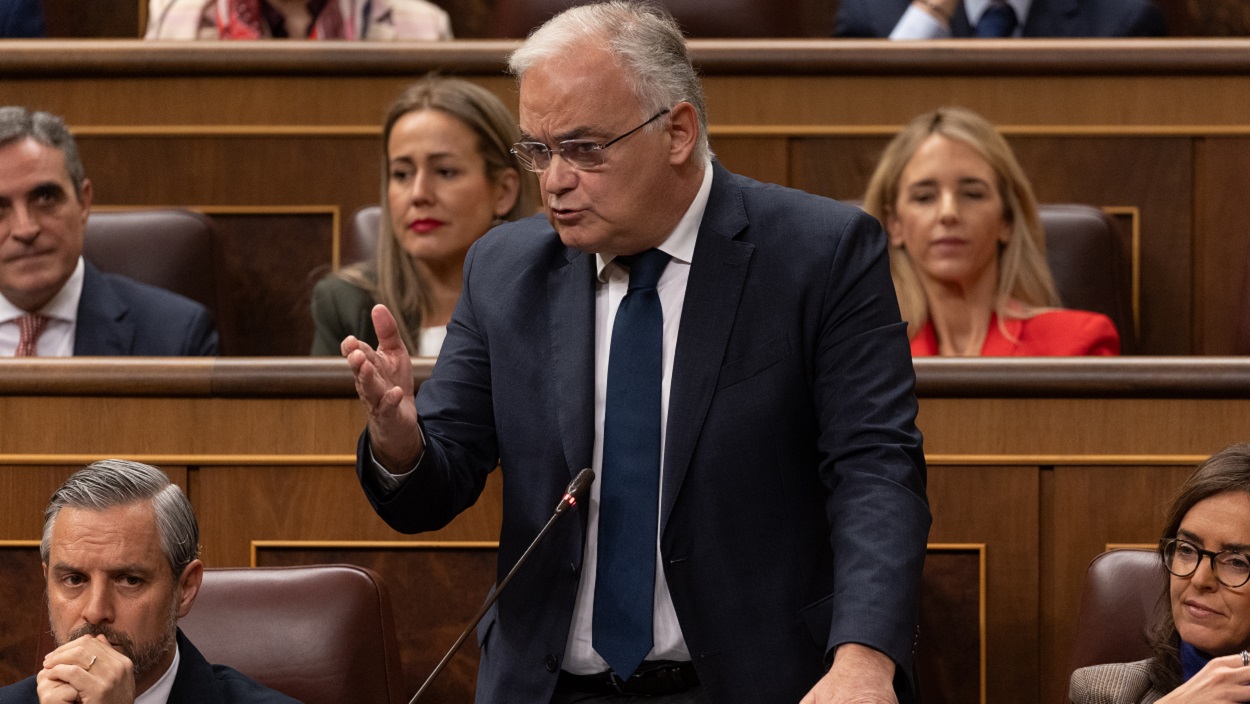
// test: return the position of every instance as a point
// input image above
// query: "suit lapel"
(102, 328)
(570, 287)
(717, 275)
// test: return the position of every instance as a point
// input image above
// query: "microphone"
(574, 493)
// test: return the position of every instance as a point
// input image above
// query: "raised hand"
(384, 385)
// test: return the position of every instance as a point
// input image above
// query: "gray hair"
(18, 123)
(111, 483)
(645, 41)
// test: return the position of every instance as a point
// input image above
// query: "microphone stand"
(576, 490)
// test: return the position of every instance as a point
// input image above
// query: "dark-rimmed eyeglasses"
(1181, 558)
(583, 154)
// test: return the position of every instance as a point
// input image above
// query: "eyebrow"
(579, 132)
(136, 569)
(1226, 547)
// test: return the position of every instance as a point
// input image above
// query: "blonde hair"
(398, 284)
(1023, 275)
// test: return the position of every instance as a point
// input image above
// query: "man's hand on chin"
(86, 670)
(859, 675)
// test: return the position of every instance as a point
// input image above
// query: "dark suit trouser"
(690, 696)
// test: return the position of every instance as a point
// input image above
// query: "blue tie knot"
(999, 20)
(645, 268)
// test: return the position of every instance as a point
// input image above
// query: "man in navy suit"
(120, 556)
(788, 521)
(53, 303)
(21, 19)
(937, 19)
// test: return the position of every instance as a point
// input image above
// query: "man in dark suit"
(937, 19)
(120, 557)
(52, 302)
(21, 19)
(758, 527)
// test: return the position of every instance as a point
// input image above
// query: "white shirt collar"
(976, 8)
(63, 306)
(159, 692)
(680, 243)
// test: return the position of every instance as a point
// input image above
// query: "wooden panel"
(266, 266)
(1023, 428)
(21, 592)
(211, 170)
(1010, 534)
(763, 159)
(950, 653)
(237, 505)
(1086, 508)
(1152, 174)
(1222, 241)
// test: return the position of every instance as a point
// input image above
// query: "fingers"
(86, 668)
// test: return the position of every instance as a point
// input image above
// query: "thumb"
(387, 329)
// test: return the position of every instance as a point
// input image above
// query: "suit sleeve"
(457, 419)
(202, 340)
(871, 456)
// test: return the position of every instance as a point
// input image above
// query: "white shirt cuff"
(917, 23)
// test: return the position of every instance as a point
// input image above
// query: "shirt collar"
(976, 8)
(63, 306)
(680, 243)
(159, 692)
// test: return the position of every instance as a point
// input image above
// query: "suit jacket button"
(552, 663)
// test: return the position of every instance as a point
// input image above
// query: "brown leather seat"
(1090, 266)
(322, 634)
(1123, 588)
(514, 19)
(172, 249)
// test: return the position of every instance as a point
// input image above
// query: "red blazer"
(1055, 333)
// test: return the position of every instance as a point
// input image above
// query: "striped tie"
(32, 327)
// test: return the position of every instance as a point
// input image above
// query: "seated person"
(1200, 642)
(53, 303)
(941, 19)
(21, 19)
(120, 557)
(448, 177)
(967, 250)
(302, 19)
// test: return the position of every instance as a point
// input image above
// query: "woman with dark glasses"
(1199, 643)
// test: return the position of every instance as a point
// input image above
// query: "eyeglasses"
(582, 154)
(1181, 558)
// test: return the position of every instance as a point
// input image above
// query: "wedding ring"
(90, 664)
(1245, 658)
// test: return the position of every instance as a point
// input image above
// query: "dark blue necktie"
(999, 20)
(630, 488)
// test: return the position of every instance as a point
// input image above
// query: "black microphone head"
(580, 485)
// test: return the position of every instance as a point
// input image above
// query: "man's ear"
(683, 130)
(84, 199)
(189, 586)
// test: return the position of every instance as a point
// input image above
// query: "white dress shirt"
(580, 656)
(159, 693)
(917, 23)
(57, 339)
